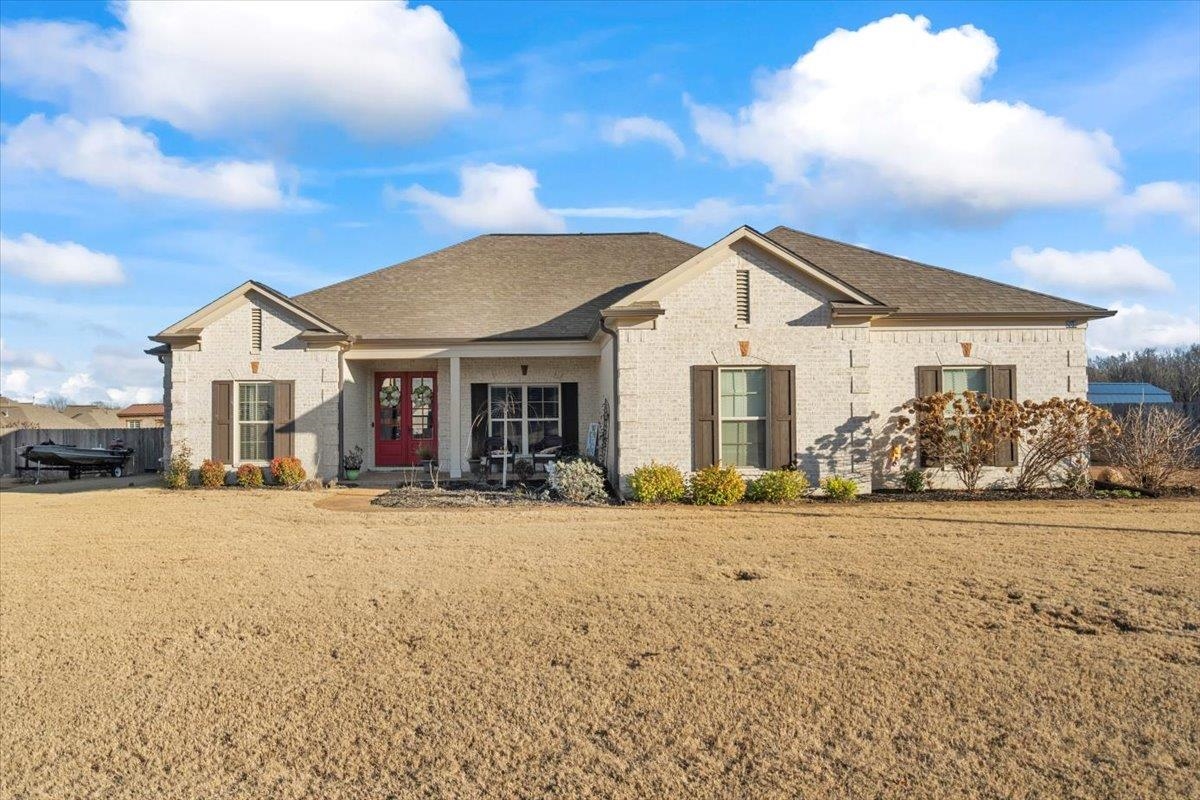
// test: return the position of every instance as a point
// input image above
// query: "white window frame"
(524, 418)
(765, 418)
(238, 422)
(133, 424)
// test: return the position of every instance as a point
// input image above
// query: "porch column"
(455, 417)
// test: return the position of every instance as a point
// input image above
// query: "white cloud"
(381, 69)
(494, 197)
(14, 384)
(895, 109)
(1166, 198)
(108, 153)
(707, 212)
(28, 359)
(635, 129)
(1136, 327)
(1122, 267)
(61, 262)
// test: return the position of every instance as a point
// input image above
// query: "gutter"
(616, 415)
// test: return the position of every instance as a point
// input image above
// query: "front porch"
(405, 407)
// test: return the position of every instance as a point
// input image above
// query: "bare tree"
(1177, 371)
(1155, 445)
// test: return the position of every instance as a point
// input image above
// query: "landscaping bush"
(212, 474)
(913, 480)
(287, 470)
(717, 486)
(179, 467)
(657, 483)
(962, 431)
(578, 480)
(250, 476)
(1056, 439)
(840, 489)
(1154, 445)
(777, 486)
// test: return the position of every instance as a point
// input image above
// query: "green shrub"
(250, 476)
(287, 470)
(777, 486)
(179, 467)
(212, 474)
(913, 480)
(578, 480)
(657, 483)
(717, 486)
(840, 489)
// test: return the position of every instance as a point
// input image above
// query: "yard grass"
(250, 644)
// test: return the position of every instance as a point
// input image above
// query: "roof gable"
(190, 326)
(658, 289)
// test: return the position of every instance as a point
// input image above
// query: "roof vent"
(256, 329)
(743, 296)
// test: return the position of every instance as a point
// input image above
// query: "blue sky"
(153, 156)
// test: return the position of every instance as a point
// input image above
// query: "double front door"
(405, 418)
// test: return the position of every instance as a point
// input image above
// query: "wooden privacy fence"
(146, 444)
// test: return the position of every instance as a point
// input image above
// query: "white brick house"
(759, 350)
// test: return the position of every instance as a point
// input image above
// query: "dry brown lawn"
(253, 645)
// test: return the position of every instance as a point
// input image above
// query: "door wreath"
(389, 396)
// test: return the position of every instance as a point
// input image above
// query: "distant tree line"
(1177, 371)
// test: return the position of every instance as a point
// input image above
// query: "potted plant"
(352, 462)
(426, 455)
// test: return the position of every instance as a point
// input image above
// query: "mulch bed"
(952, 495)
(454, 497)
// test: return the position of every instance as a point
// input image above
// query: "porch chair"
(547, 450)
(496, 449)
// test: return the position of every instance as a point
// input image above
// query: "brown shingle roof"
(500, 286)
(143, 410)
(916, 288)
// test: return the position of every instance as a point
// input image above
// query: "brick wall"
(850, 380)
(225, 354)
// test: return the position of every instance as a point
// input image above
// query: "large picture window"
(744, 417)
(255, 421)
(524, 415)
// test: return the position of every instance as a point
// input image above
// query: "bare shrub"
(1057, 437)
(962, 431)
(1155, 445)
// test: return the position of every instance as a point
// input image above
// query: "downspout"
(615, 479)
(341, 473)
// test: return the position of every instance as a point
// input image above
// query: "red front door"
(405, 418)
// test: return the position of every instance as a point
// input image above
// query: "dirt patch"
(249, 644)
(422, 497)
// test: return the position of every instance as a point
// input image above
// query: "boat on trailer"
(77, 461)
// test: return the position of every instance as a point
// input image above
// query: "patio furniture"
(497, 449)
(547, 450)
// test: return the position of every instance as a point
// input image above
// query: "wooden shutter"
(781, 411)
(222, 422)
(479, 417)
(285, 418)
(1003, 385)
(705, 398)
(929, 381)
(569, 408)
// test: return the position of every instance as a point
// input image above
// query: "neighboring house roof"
(142, 410)
(29, 415)
(1104, 394)
(94, 416)
(919, 289)
(500, 286)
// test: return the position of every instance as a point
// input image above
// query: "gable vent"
(256, 329)
(743, 296)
